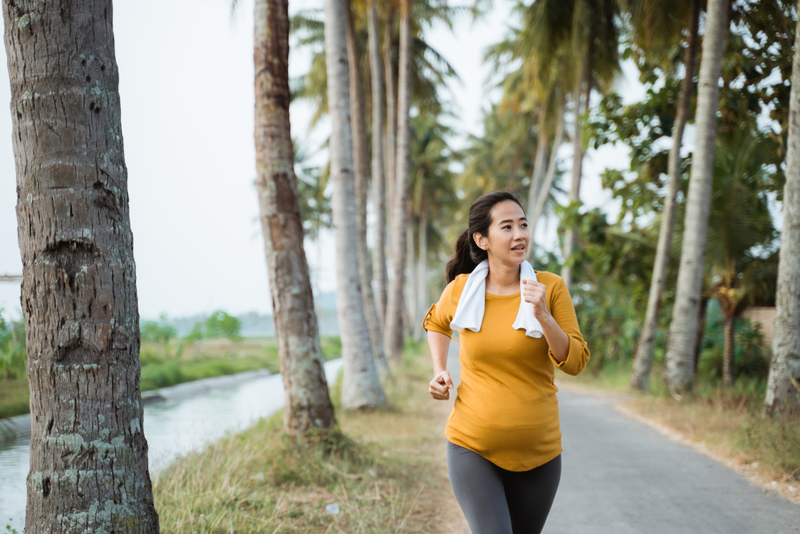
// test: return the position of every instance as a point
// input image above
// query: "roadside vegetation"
(214, 347)
(381, 470)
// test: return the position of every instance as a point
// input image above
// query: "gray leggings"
(497, 501)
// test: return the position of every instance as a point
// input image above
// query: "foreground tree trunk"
(394, 313)
(361, 386)
(783, 384)
(541, 199)
(88, 455)
(307, 403)
(644, 353)
(358, 124)
(378, 174)
(683, 329)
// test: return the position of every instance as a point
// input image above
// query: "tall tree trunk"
(391, 114)
(541, 198)
(88, 454)
(783, 384)
(394, 323)
(307, 403)
(358, 124)
(411, 268)
(577, 161)
(535, 190)
(361, 386)
(680, 344)
(644, 354)
(729, 349)
(422, 274)
(701, 330)
(378, 175)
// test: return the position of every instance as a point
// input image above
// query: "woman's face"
(508, 235)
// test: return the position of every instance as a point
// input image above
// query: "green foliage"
(13, 353)
(158, 331)
(218, 325)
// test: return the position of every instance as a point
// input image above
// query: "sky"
(186, 90)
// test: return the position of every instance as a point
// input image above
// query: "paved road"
(620, 476)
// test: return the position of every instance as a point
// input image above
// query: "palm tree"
(650, 26)
(783, 385)
(361, 387)
(307, 403)
(394, 320)
(79, 278)
(683, 329)
(358, 124)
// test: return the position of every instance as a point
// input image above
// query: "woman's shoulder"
(547, 278)
(456, 286)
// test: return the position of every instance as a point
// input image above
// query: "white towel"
(471, 305)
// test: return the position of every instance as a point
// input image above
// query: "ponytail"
(468, 254)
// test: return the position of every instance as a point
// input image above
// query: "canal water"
(189, 417)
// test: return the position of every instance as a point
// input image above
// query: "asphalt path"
(620, 476)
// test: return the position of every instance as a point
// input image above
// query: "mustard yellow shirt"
(506, 408)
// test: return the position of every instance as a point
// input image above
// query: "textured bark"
(422, 271)
(783, 384)
(394, 322)
(88, 455)
(729, 350)
(391, 113)
(536, 189)
(683, 329)
(541, 199)
(577, 161)
(307, 402)
(644, 353)
(361, 387)
(358, 125)
(411, 268)
(378, 174)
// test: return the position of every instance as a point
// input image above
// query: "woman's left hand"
(536, 293)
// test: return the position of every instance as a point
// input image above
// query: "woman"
(515, 324)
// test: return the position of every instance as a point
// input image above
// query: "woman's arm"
(441, 384)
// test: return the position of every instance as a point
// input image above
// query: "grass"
(728, 421)
(379, 471)
(178, 362)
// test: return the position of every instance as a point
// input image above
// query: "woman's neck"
(503, 278)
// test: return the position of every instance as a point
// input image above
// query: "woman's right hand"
(440, 386)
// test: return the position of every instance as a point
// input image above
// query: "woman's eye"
(506, 226)
(524, 225)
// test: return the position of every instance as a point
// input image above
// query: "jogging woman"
(515, 324)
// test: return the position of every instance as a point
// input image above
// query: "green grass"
(383, 469)
(178, 362)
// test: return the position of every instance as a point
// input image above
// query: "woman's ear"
(480, 241)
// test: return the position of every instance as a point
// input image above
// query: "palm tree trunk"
(88, 454)
(394, 323)
(378, 175)
(729, 348)
(683, 329)
(422, 274)
(391, 113)
(541, 198)
(577, 162)
(411, 268)
(358, 124)
(307, 402)
(361, 387)
(701, 330)
(783, 384)
(535, 189)
(644, 354)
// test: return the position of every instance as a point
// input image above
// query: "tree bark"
(701, 330)
(391, 114)
(644, 354)
(361, 387)
(88, 454)
(422, 274)
(729, 349)
(783, 384)
(411, 268)
(358, 124)
(683, 329)
(394, 323)
(307, 402)
(536, 189)
(577, 162)
(378, 174)
(541, 199)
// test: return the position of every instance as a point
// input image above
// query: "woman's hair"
(468, 254)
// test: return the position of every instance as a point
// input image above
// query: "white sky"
(186, 86)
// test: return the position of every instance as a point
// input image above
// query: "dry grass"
(383, 470)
